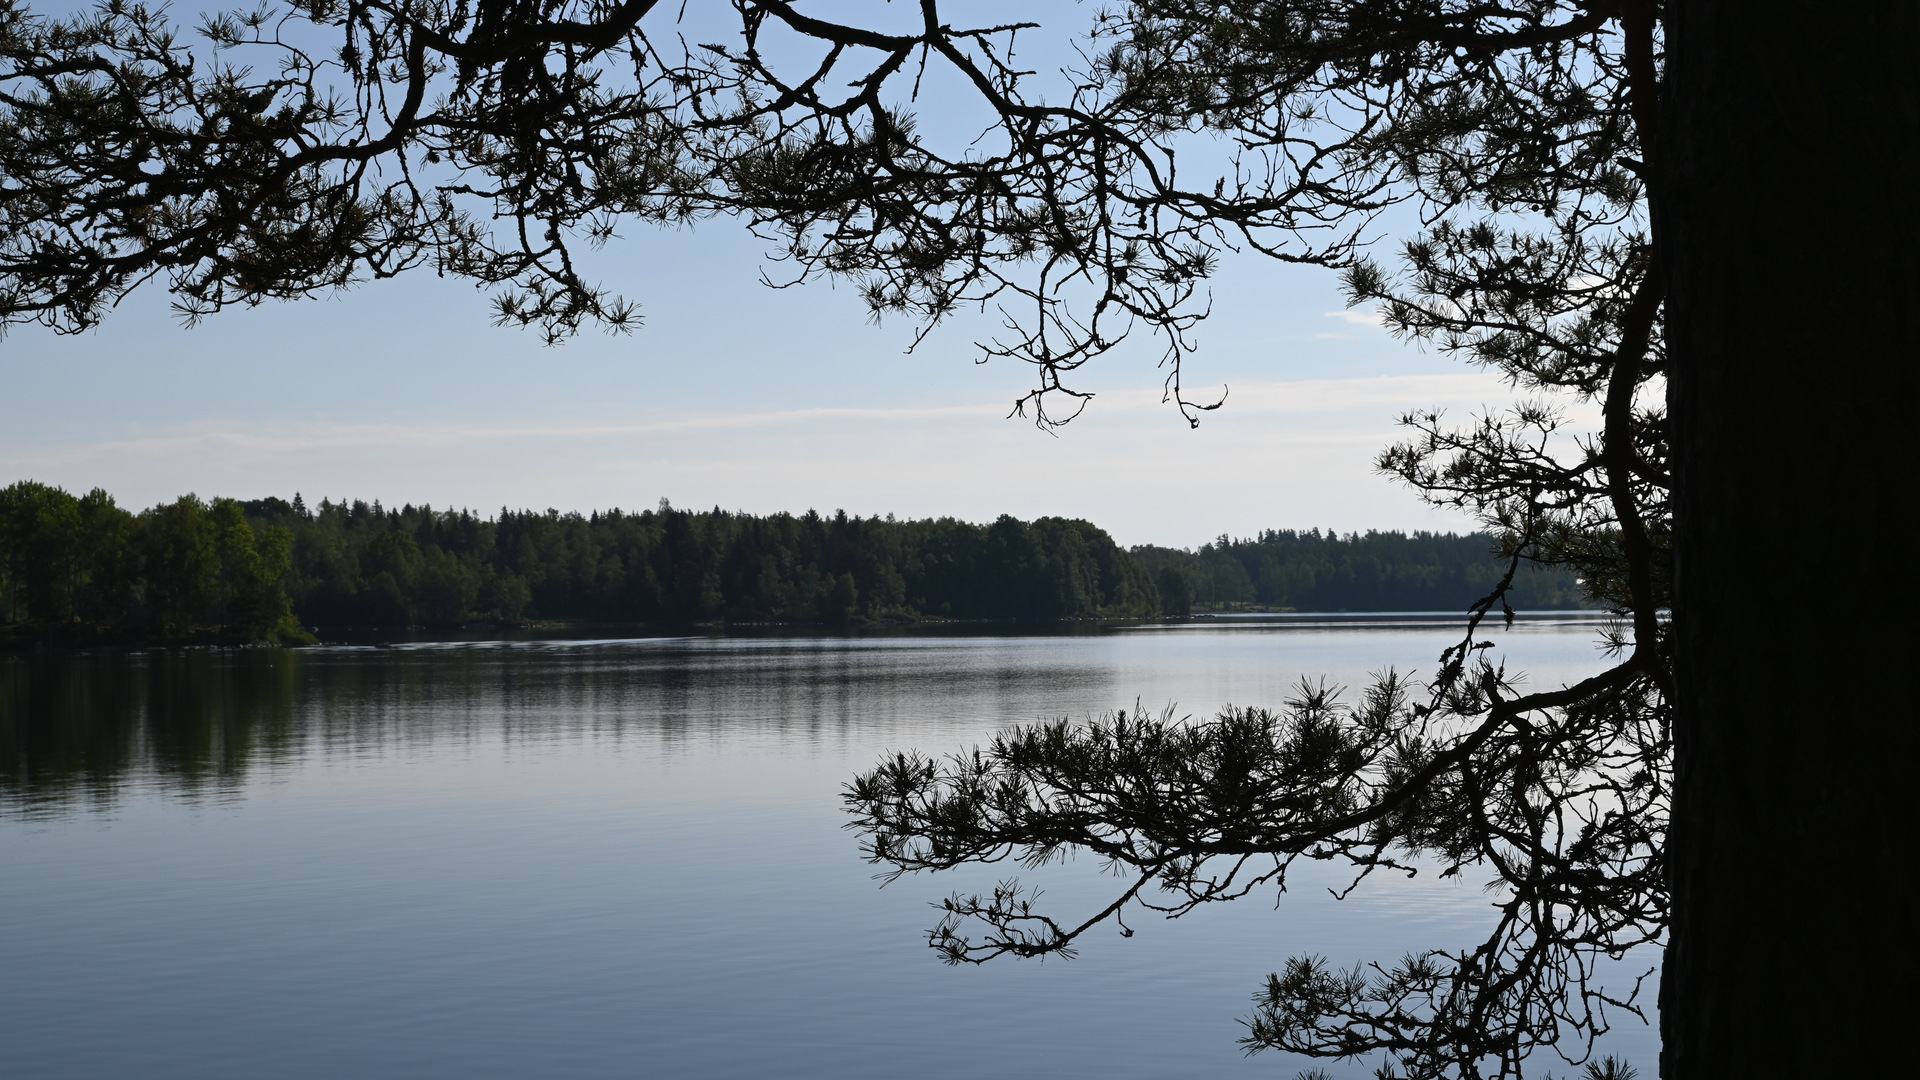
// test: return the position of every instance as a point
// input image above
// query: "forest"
(1373, 571)
(81, 569)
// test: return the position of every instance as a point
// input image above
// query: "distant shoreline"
(82, 572)
(560, 633)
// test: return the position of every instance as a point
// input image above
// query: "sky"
(733, 395)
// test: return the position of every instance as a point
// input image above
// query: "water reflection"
(75, 727)
(588, 859)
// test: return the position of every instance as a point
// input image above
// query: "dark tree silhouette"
(1792, 381)
(1567, 176)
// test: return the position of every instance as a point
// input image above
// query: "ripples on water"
(616, 858)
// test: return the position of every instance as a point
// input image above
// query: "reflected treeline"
(76, 725)
(78, 728)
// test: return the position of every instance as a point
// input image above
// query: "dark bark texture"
(1792, 215)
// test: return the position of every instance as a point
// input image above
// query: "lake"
(625, 858)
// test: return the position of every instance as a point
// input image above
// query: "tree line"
(80, 568)
(1373, 571)
(356, 563)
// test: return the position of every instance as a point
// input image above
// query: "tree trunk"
(1791, 212)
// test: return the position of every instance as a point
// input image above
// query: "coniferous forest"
(80, 569)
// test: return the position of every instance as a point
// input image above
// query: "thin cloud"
(1378, 397)
(1314, 442)
(227, 437)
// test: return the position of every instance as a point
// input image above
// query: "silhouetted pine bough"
(81, 569)
(1558, 799)
(1563, 812)
(1640, 203)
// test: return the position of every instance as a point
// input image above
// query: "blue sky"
(730, 394)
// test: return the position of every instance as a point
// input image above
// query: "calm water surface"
(618, 858)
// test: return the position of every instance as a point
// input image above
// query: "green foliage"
(1176, 595)
(181, 563)
(39, 532)
(356, 564)
(1374, 571)
(77, 570)
(190, 569)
